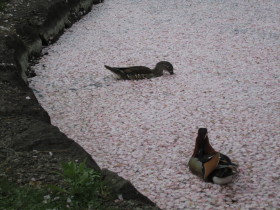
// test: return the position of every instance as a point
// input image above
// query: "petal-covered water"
(227, 78)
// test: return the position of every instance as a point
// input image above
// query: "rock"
(55, 22)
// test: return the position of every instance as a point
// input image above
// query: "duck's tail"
(117, 71)
(114, 70)
(226, 160)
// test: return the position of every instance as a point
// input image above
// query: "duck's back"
(130, 70)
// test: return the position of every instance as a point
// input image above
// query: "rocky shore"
(31, 148)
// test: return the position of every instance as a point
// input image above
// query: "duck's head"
(202, 145)
(202, 133)
(165, 65)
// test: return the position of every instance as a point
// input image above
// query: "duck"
(141, 72)
(208, 164)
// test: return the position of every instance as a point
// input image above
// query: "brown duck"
(141, 72)
(208, 164)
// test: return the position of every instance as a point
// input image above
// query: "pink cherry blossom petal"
(226, 62)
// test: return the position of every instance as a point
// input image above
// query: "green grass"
(84, 190)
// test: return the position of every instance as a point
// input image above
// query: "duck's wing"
(130, 70)
(211, 165)
(133, 72)
(225, 160)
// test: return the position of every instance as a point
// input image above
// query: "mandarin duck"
(208, 164)
(141, 72)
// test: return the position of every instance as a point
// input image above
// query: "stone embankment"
(31, 148)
